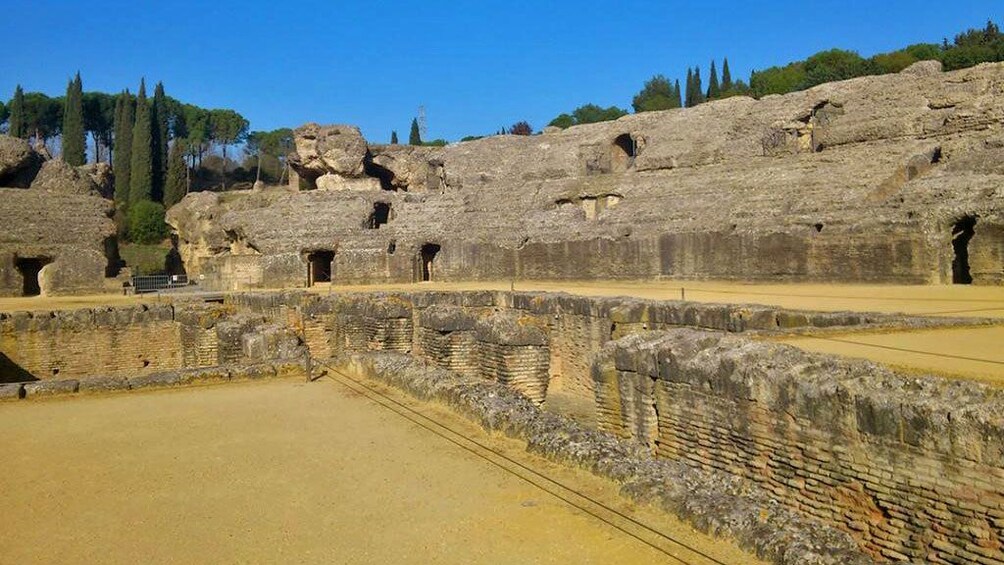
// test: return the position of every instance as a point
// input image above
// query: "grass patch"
(145, 259)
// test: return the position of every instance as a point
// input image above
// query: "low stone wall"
(163, 379)
(912, 467)
(134, 340)
(78, 343)
(714, 501)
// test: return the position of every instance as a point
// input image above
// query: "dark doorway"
(624, 152)
(30, 267)
(428, 256)
(962, 232)
(380, 215)
(319, 269)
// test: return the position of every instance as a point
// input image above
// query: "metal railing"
(155, 283)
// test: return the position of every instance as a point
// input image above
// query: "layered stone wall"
(132, 341)
(913, 468)
(79, 343)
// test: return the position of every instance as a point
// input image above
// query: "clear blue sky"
(475, 65)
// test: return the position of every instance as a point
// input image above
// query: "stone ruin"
(894, 178)
(57, 233)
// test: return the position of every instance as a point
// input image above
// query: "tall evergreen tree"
(393, 138)
(698, 87)
(74, 137)
(677, 96)
(689, 95)
(16, 123)
(122, 156)
(141, 164)
(415, 137)
(159, 133)
(714, 91)
(176, 185)
(726, 76)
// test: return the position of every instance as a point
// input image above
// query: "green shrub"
(146, 222)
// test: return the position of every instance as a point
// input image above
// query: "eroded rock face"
(57, 176)
(335, 149)
(19, 163)
(860, 180)
(103, 176)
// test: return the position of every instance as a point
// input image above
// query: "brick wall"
(87, 342)
(912, 467)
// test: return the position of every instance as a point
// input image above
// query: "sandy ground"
(971, 353)
(284, 471)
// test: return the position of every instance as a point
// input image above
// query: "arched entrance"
(623, 152)
(962, 232)
(30, 268)
(427, 258)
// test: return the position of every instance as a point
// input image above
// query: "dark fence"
(155, 283)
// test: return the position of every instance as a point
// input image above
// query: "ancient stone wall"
(866, 180)
(910, 466)
(913, 468)
(134, 340)
(56, 232)
(79, 343)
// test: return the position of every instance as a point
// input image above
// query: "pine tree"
(726, 76)
(393, 138)
(176, 185)
(15, 124)
(122, 156)
(159, 133)
(415, 137)
(677, 95)
(689, 98)
(713, 89)
(141, 164)
(74, 137)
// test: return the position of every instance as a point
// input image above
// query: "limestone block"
(38, 389)
(103, 384)
(11, 391)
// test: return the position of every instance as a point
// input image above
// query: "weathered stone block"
(39, 389)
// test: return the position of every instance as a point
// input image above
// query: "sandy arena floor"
(284, 471)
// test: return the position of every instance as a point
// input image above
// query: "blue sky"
(475, 65)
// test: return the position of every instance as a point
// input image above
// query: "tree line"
(968, 49)
(155, 145)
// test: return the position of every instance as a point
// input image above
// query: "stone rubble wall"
(911, 467)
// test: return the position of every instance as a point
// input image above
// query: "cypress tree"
(15, 123)
(713, 90)
(74, 140)
(689, 98)
(698, 87)
(393, 138)
(677, 95)
(122, 156)
(159, 132)
(415, 137)
(176, 185)
(141, 167)
(726, 76)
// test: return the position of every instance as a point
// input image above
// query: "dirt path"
(285, 472)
